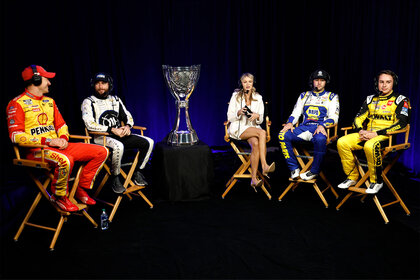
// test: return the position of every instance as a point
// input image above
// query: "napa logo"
(313, 112)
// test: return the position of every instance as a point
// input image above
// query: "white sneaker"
(308, 175)
(295, 173)
(347, 183)
(374, 188)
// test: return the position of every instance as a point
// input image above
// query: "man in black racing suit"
(103, 112)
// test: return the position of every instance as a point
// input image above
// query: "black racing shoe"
(139, 179)
(117, 187)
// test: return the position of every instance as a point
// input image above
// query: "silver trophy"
(181, 82)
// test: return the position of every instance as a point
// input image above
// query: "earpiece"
(36, 78)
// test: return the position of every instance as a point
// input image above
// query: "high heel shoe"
(256, 184)
(270, 169)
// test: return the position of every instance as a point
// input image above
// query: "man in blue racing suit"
(319, 108)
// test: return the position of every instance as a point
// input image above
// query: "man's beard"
(103, 95)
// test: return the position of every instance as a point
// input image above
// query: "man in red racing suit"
(384, 112)
(33, 118)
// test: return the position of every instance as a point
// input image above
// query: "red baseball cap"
(28, 73)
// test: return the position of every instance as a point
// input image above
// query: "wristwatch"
(48, 141)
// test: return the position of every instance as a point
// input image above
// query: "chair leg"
(381, 210)
(95, 225)
(229, 188)
(266, 192)
(114, 209)
(145, 199)
(57, 232)
(287, 189)
(321, 174)
(28, 215)
(394, 192)
(344, 200)
(320, 194)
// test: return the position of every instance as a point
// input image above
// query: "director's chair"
(42, 182)
(244, 171)
(131, 188)
(386, 150)
(305, 160)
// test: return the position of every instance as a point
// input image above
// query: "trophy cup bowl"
(181, 82)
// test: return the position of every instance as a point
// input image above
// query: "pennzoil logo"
(42, 129)
(42, 119)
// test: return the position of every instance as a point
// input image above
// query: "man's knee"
(320, 139)
(342, 144)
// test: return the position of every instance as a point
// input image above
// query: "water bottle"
(104, 220)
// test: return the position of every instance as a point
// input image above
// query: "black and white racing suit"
(104, 114)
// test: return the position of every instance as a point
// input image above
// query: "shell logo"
(42, 119)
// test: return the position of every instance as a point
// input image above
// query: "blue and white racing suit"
(317, 108)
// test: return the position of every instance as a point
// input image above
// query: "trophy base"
(182, 137)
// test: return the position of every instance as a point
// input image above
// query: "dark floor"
(243, 236)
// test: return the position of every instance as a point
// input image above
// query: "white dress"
(238, 124)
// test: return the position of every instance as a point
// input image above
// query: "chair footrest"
(359, 190)
(302, 181)
(242, 176)
(133, 189)
(305, 157)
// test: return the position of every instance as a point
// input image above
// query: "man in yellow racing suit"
(385, 112)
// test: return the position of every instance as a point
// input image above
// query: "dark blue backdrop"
(281, 42)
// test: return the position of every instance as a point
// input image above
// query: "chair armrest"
(226, 124)
(83, 137)
(19, 161)
(404, 145)
(397, 131)
(33, 146)
(331, 136)
(97, 133)
(346, 129)
(267, 128)
(141, 128)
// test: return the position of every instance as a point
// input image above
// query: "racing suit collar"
(33, 96)
(318, 93)
(387, 96)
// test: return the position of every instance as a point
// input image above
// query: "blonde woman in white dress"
(245, 114)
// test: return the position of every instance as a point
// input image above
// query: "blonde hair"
(241, 92)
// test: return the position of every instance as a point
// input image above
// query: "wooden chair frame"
(305, 160)
(244, 171)
(358, 190)
(131, 188)
(31, 166)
